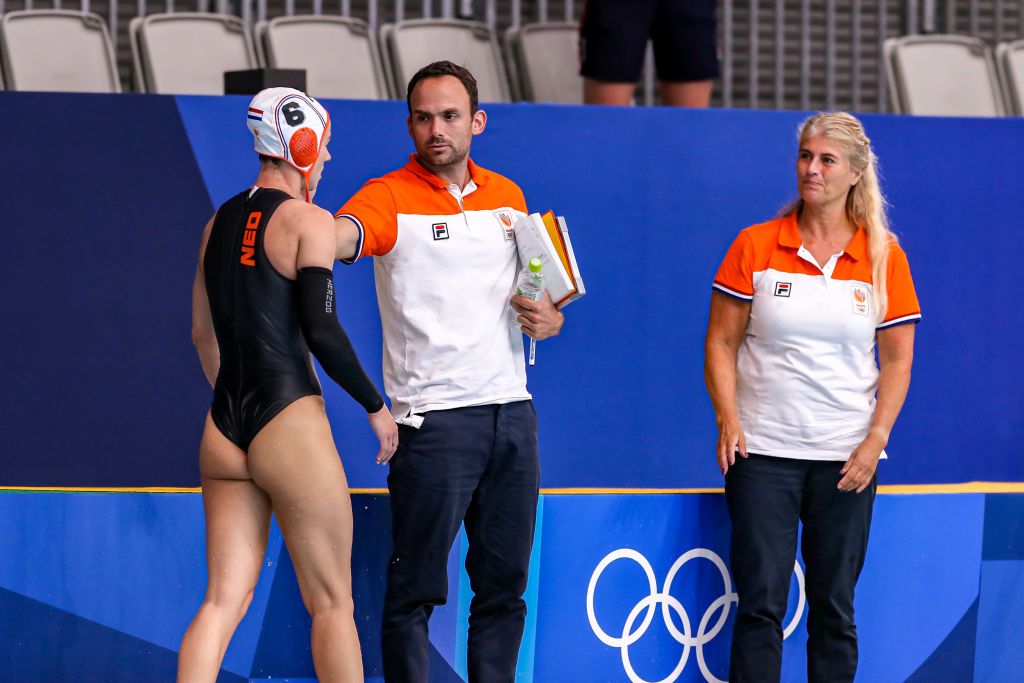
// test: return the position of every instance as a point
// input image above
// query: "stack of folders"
(547, 237)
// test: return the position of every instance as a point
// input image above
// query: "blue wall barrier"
(100, 587)
(103, 221)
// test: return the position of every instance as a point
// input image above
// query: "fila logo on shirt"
(440, 231)
(783, 288)
(505, 219)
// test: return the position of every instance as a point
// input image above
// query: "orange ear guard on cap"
(304, 147)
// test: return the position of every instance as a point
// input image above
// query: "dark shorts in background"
(614, 33)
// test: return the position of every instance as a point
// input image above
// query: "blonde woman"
(799, 305)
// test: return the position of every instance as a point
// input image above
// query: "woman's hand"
(387, 433)
(895, 357)
(727, 325)
(860, 468)
(730, 440)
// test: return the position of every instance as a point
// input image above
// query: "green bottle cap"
(534, 265)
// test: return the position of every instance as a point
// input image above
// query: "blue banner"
(100, 587)
(102, 229)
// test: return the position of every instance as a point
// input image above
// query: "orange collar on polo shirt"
(789, 236)
(478, 175)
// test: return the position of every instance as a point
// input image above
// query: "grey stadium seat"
(383, 41)
(410, 45)
(187, 53)
(57, 50)
(546, 60)
(940, 75)
(1010, 64)
(339, 55)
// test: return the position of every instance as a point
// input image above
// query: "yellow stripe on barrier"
(603, 491)
(901, 489)
(98, 489)
(966, 487)
(125, 489)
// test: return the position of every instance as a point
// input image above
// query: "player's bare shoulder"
(300, 218)
(297, 227)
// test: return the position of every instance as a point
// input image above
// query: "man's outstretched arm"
(348, 237)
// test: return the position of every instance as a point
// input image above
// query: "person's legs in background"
(613, 38)
(695, 94)
(685, 51)
(613, 41)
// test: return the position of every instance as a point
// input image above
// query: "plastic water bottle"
(531, 285)
(531, 281)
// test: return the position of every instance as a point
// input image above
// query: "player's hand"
(859, 470)
(730, 440)
(540, 319)
(384, 427)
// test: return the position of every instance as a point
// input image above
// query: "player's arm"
(203, 335)
(318, 310)
(317, 302)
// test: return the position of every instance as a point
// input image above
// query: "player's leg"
(685, 51)
(294, 460)
(237, 521)
(687, 94)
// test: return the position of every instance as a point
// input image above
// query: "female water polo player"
(263, 299)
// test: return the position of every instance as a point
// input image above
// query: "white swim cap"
(288, 124)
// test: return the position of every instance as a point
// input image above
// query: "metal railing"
(827, 54)
(781, 54)
(787, 54)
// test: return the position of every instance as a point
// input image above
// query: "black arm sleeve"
(328, 341)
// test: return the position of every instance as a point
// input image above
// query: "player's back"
(264, 359)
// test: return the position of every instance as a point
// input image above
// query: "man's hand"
(387, 433)
(540, 319)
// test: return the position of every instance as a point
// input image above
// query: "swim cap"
(288, 124)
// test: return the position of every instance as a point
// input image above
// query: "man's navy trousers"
(479, 465)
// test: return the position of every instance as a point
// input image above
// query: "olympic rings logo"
(687, 638)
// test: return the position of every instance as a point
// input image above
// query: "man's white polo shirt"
(446, 266)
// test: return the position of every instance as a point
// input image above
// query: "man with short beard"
(441, 229)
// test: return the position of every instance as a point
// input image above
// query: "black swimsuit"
(264, 360)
